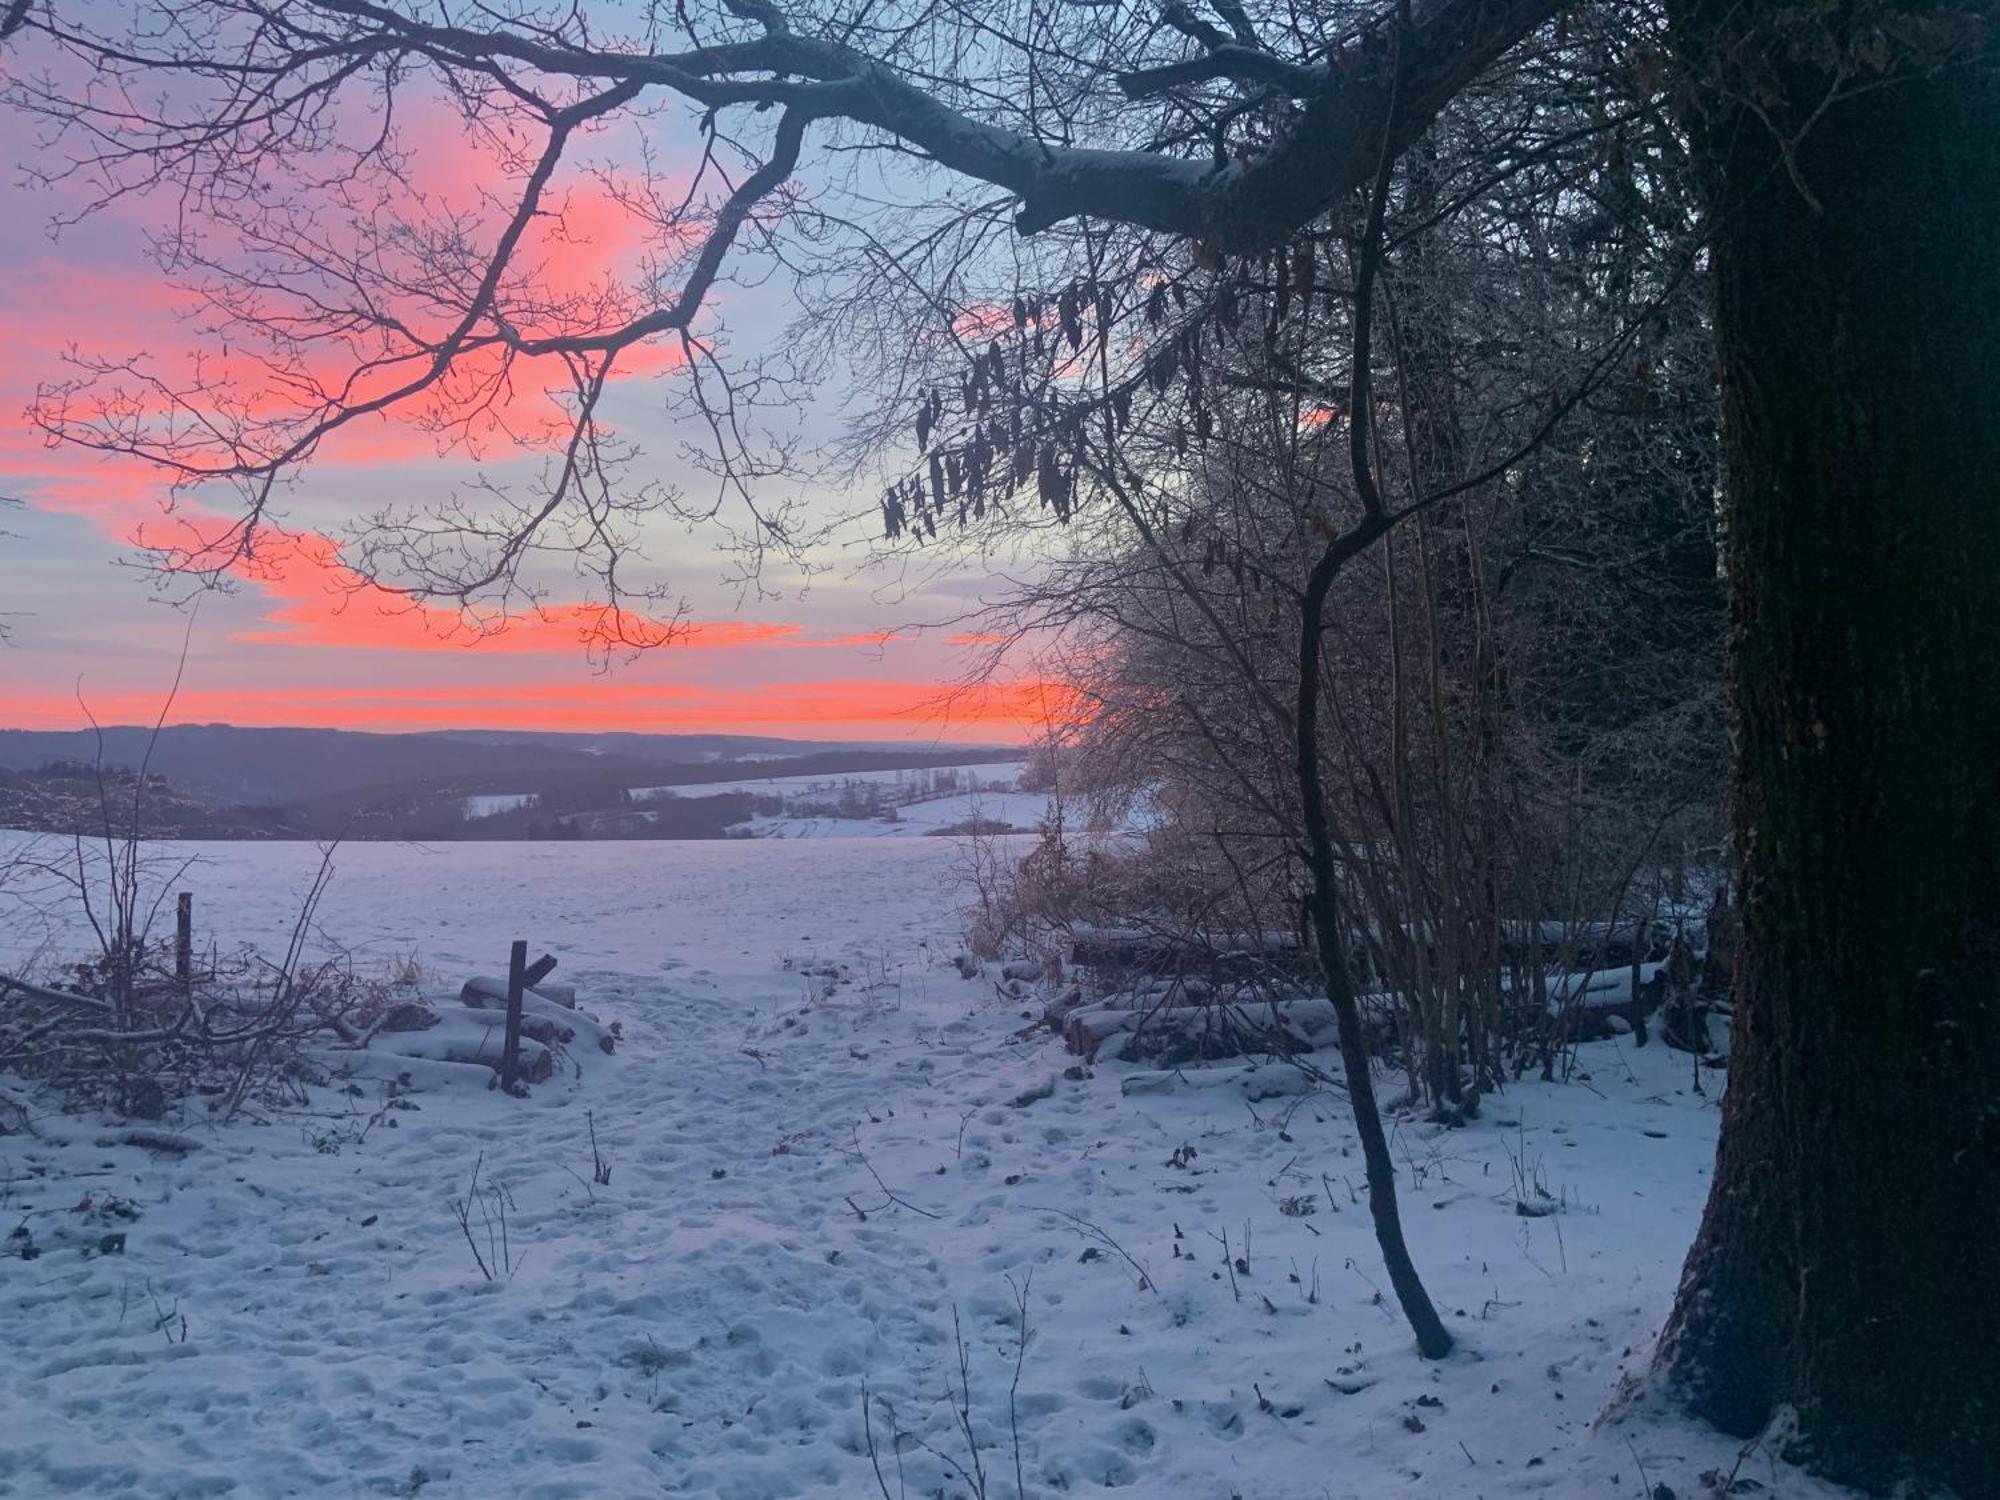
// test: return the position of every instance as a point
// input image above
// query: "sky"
(847, 653)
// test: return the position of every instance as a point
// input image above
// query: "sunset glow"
(301, 638)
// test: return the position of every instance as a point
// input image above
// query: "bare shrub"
(143, 1024)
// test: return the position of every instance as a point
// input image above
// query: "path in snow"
(706, 1323)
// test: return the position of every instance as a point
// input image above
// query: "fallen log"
(468, 1037)
(559, 994)
(1256, 1082)
(1192, 1032)
(1134, 947)
(547, 1021)
(11, 985)
(484, 992)
(1587, 1007)
(413, 1072)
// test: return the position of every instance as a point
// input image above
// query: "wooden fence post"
(517, 984)
(184, 940)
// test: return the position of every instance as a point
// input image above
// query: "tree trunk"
(1846, 1270)
(1323, 904)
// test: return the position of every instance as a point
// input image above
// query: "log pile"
(1173, 998)
(438, 1038)
(1171, 1035)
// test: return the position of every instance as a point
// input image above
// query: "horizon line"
(465, 729)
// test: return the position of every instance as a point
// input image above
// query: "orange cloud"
(322, 603)
(850, 708)
(586, 261)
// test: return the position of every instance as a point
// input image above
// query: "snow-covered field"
(934, 815)
(782, 786)
(832, 1158)
(504, 802)
(927, 801)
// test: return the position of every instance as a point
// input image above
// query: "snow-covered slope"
(879, 804)
(832, 1159)
(983, 774)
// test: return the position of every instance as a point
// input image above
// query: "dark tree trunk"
(1846, 1268)
(1323, 907)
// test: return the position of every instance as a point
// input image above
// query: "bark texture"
(1846, 1275)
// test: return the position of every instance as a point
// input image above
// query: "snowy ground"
(827, 1154)
(983, 774)
(504, 802)
(934, 815)
(989, 798)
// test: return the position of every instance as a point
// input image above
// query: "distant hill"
(657, 747)
(227, 764)
(233, 782)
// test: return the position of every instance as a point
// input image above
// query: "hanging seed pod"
(1156, 306)
(923, 426)
(1024, 462)
(978, 506)
(1103, 301)
(888, 518)
(937, 479)
(930, 524)
(1180, 440)
(1187, 529)
(1020, 313)
(1281, 297)
(954, 472)
(1071, 317)
(1180, 297)
(1121, 408)
(1208, 558)
(1303, 268)
(1160, 370)
(1204, 425)
(1228, 308)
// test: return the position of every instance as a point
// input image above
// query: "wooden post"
(184, 940)
(517, 977)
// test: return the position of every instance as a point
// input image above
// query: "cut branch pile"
(134, 1034)
(138, 1039)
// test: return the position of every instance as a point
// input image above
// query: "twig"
(1092, 1231)
(889, 1194)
